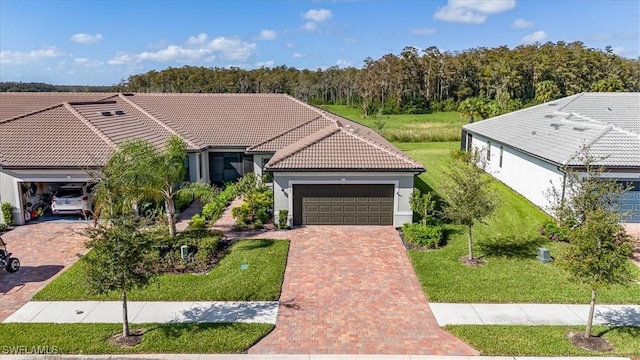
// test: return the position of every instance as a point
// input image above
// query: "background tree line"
(13, 86)
(479, 82)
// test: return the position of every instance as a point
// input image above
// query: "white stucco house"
(528, 149)
(326, 169)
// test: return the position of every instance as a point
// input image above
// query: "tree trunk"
(171, 216)
(592, 306)
(470, 244)
(125, 316)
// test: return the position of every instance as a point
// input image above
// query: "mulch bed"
(591, 343)
(134, 338)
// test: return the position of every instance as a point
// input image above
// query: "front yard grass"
(158, 338)
(436, 126)
(507, 243)
(225, 282)
(517, 340)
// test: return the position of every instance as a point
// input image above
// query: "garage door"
(630, 202)
(365, 204)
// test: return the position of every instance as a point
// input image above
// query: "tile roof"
(337, 147)
(246, 119)
(51, 138)
(290, 136)
(14, 104)
(263, 123)
(609, 123)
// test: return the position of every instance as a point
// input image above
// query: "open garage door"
(362, 204)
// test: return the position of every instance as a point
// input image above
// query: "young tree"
(469, 196)
(599, 249)
(598, 255)
(423, 204)
(118, 261)
(138, 170)
(585, 190)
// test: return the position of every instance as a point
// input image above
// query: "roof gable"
(339, 148)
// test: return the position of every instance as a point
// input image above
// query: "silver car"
(72, 198)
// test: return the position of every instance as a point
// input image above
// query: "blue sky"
(101, 42)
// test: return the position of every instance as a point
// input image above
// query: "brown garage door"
(365, 204)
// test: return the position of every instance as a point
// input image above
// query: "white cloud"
(195, 40)
(343, 63)
(522, 24)
(318, 15)
(289, 45)
(267, 35)
(599, 37)
(310, 26)
(198, 48)
(423, 31)
(299, 55)
(472, 11)
(9, 57)
(349, 40)
(630, 35)
(535, 37)
(86, 39)
(87, 62)
(266, 64)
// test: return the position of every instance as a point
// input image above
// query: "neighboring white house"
(528, 149)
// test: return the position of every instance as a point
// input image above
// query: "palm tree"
(139, 171)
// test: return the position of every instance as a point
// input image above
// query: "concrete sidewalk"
(534, 314)
(288, 357)
(146, 312)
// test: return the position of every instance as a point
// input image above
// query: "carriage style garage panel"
(362, 204)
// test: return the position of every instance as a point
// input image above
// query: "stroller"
(6, 261)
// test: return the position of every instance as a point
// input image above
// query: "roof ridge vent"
(106, 113)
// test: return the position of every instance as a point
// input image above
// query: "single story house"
(528, 149)
(326, 169)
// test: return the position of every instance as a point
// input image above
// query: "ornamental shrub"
(424, 236)
(7, 213)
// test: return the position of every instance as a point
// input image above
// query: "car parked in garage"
(72, 198)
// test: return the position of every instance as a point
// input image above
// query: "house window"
(200, 165)
(187, 175)
(469, 141)
(501, 151)
(488, 150)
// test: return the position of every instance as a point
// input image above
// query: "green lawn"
(158, 338)
(226, 282)
(500, 340)
(439, 126)
(508, 243)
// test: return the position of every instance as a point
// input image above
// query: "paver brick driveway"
(353, 290)
(44, 249)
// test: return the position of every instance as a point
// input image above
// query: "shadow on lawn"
(519, 247)
(177, 330)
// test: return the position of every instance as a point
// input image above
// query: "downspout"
(564, 184)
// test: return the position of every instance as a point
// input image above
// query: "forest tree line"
(478, 82)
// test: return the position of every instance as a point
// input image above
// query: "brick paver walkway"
(352, 290)
(44, 249)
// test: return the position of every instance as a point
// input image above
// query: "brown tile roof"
(14, 104)
(338, 147)
(290, 136)
(51, 138)
(260, 122)
(231, 120)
